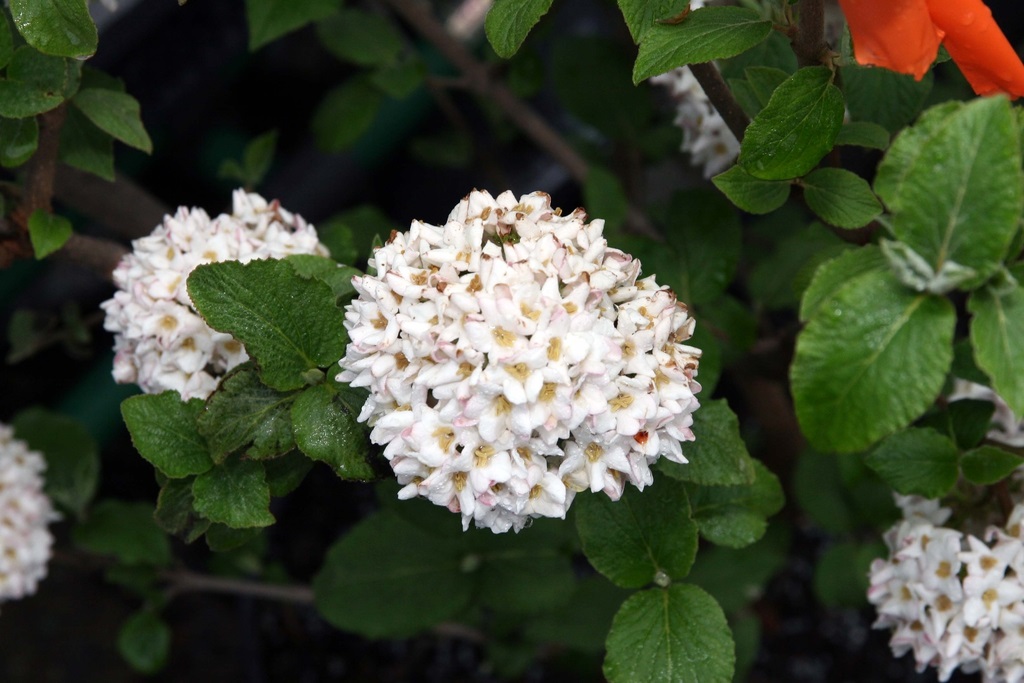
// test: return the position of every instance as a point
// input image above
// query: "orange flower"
(904, 36)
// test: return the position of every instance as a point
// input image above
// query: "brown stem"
(809, 42)
(42, 167)
(715, 87)
(122, 205)
(1002, 492)
(95, 253)
(183, 581)
(419, 16)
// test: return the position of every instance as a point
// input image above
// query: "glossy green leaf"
(863, 134)
(704, 35)
(840, 198)
(115, 113)
(18, 140)
(751, 194)
(833, 275)
(244, 415)
(72, 456)
(510, 21)
(987, 465)
(670, 635)
(956, 188)
(917, 462)
(235, 494)
(997, 335)
(763, 82)
(145, 642)
(871, 359)
(796, 129)
(255, 303)
(345, 114)
(48, 232)
(326, 430)
(361, 37)
(56, 27)
(735, 516)
(85, 146)
(164, 432)
(642, 538)
(718, 456)
(271, 19)
(125, 530)
(48, 74)
(372, 579)
(643, 15)
(325, 269)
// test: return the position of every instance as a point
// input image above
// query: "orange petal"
(896, 34)
(978, 46)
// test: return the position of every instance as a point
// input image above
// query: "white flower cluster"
(1007, 428)
(161, 342)
(706, 137)
(514, 359)
(954, 601)
(24, 513)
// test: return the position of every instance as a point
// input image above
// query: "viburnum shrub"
(722, 251)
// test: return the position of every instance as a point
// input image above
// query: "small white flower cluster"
(706, 137)
(514, 359)
(1007, 428)
(25, 510)
(953, 601)
(161, 342)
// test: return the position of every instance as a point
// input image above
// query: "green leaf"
(255, 162)
(125, 530)
(145, 642)
(85, 146)
(917, 462)
(833, 275)
(327, 270)
(72, 456)
(115, 113)
(871, 359)
(763, 82)
(48, 232)
(643, 15)
(235, 494)
(271, 19)
(707, 245)
(164, 432)
(863, 134)
(955, 187)
(735, 576)
(751, 194)
(797, 127)
(646, 536)
(18, 140)
(840, 198)
(372, 579)
(285, 473)
(51, 75)
(19, 100)
(997, 335)
(221, 538)
(605, 198)
(734, 516)
(510, 21)
(255, 303)
(345, 114)
(841, 575)
(840, 493)
(583, 622)
(969, 421)
(175, 512)
(706, 34)
(673, 635)
(6, 41)
(400, 79)
(884, 97)
(56, 27)
(326, 430)
(718, 456)
(360, 37)
(987, 465)
(245, 415)
(591, 77)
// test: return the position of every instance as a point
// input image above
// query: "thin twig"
(715, 87)
(41, 169)
(184, 581)
(95, 253)
(809, 42)
(122, 206)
